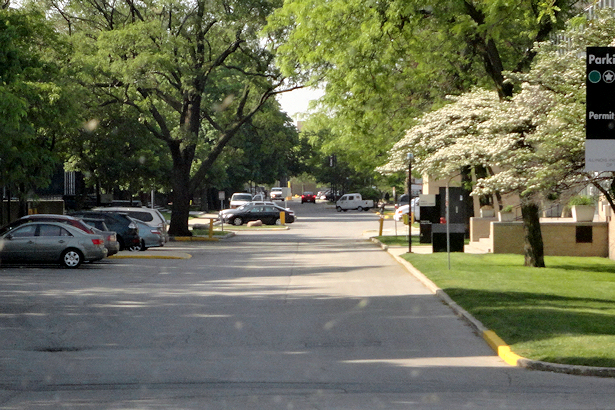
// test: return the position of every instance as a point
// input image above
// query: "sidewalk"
(493, 340)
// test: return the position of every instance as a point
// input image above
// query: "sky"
(296, 101)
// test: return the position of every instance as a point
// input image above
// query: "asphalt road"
(315, 317)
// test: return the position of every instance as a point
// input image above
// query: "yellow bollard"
(406, 219)
(211, 228)
(282, 217)
(381, 223)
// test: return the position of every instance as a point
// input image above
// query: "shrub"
(371, 193)
(581, 200)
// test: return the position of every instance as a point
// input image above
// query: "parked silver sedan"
(51, 242)
(151, 236)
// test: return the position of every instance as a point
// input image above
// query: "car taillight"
(98, 241)
(155, 232)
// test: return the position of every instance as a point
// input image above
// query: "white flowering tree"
(479, 130)
(536, 138)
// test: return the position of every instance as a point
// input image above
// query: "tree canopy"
(35, 104)
(385, 62)
(193, 72)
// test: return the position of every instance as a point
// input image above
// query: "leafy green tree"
(116, 152)
(35, 107)
(195, 72)
(385, 62)
(263, 151)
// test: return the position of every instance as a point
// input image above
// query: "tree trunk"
(533, 246)
(180, 180)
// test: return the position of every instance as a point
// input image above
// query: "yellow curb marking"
(185, 256)
(194, 239)
(502, 349)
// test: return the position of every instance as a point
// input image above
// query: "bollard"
(211, 228)
(381, 223)
(282, 218)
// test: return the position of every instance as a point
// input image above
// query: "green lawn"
(564, 313)
(400, 240)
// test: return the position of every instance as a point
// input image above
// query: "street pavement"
(313, 317)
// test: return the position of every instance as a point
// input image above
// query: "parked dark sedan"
(111, 243)
(125, 228)
(51, 242)
(268, 214)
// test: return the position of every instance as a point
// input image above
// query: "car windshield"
(241, 197)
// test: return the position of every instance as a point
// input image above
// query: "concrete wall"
(611, 239)
(559, 238)
(480, 228)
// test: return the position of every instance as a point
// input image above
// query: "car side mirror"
(9, 236)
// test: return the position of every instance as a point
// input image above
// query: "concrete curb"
(200, 238)
(493, 340)
(256, 228)
(135, 255)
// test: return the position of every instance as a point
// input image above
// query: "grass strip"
(400, 240)
(205, 232)
(564, 313)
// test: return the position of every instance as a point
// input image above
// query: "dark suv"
(125, 228)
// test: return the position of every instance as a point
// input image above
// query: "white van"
(240, 198)
(149, 215)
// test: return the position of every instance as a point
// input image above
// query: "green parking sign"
(600, 109)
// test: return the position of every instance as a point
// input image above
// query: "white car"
(404, 209)
(276, 193)
(400, 212)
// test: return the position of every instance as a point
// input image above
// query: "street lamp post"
(410, 157)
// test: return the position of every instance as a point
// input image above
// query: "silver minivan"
(151, 216)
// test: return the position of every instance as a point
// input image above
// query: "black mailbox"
(457, 234)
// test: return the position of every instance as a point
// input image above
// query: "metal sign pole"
(448, 233)
(410, 157)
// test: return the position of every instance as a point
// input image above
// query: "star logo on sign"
(608, 76)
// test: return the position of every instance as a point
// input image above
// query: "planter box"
(487, 213)
(583, 213)
(506, 216)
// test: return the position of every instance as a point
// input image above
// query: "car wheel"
(71, 258)
(339, 209)
(360, 208)
(237, 221)
(278, 221)
(121, 242)
(139, 247)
